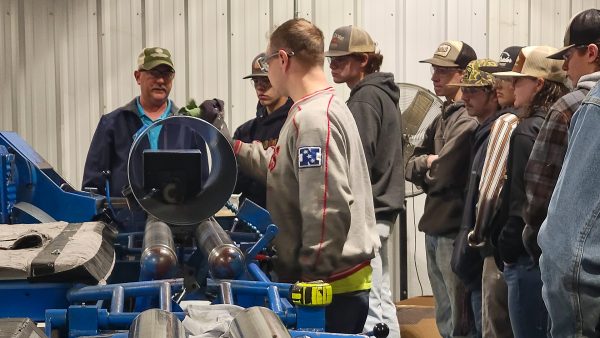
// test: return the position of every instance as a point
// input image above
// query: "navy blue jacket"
(264, 128)
(110, 147)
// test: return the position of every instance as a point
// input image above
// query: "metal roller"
(225, 260)
(155, 323)
(257, 322)
(158, 259)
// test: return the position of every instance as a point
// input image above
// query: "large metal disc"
(189, 177)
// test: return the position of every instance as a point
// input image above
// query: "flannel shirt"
(547, 156)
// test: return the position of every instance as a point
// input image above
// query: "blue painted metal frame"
(23, 299)
(8, 187)
(40, 185)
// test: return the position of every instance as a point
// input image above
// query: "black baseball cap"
(507, 60)
(583, 29)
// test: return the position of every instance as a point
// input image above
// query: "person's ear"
(592, 52)
(284, 59)
(539, 84)
(137, 74)
(364, 59)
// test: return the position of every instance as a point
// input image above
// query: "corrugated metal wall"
(64, 63)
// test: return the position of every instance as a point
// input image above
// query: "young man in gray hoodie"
(373, 102)
(441, 167)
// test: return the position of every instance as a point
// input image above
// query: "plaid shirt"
(547, 156)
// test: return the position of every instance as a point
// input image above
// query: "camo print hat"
(474, 76)
(153, 57)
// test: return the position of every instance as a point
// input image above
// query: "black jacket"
(265, 129)
(374, 105)
(508, 224)
(467, 262)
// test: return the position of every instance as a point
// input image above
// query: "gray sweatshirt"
(318, 191)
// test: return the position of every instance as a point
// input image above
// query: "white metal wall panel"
(381, 18)
(66, 62)
(82, 107)
(579, 5)
(548, 20)
(121, 39)
(250, 27)
(467, 21)
(165, 27)
(8, 12)
(508, 25)
(208, 49)
(425, 28)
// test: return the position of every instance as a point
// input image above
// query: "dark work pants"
(347, 312)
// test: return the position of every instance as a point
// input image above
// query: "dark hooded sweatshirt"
(265, 129)
(374, 105)
(467, 262)
(507, 227)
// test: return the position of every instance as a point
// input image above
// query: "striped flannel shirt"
(547, 156)
(494, 171)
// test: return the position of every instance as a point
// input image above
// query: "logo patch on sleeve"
(309, 157)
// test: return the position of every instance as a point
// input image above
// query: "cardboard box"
(417, 318)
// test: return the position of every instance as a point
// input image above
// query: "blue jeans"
(476, 306)
(570, 236)
(528, 315)
(381, 305)
(448, 290)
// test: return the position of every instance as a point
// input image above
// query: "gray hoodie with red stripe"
(318, 190)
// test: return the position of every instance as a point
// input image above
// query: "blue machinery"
(219, 266)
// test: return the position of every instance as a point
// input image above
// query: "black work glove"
(530, 243)
(210, 111)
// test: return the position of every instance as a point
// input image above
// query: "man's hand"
(210, 110)
(430, 159)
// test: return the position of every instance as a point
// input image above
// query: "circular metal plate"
(188, 199)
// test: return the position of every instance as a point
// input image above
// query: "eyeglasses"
(166, 74)
(262, 82)
(499, 83)
(263, 61)
(336, 61)
(443, 70)
(566, 56)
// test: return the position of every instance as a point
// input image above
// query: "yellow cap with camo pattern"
(473, 76)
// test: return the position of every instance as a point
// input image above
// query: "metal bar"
(226, 294)
(257, 273)
(275, 300)
(164, 297)
(132, 289)
(284, 288)
(118, 300)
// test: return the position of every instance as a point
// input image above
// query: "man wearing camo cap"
(480, 99)
(107, 157)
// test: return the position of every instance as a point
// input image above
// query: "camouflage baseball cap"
(350, 39)
(473, 76)
(153, 57)
(256, 70)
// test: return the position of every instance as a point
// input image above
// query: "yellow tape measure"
(316, 293)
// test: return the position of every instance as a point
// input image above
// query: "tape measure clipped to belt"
(317, 293)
